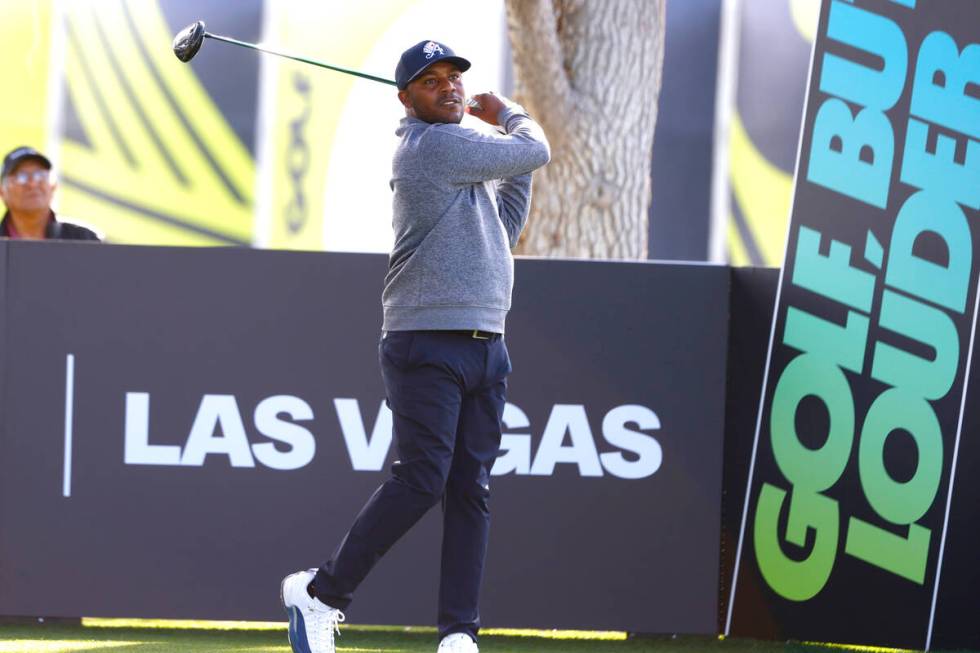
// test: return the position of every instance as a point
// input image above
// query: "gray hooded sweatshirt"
(461, 200)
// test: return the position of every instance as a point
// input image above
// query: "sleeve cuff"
(510, 112)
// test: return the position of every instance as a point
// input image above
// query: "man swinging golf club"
(461, 199)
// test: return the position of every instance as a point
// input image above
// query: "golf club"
(189, 41)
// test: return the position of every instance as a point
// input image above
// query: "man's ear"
(406, 102)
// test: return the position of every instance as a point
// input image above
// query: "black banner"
(225, 423)
(846, 512)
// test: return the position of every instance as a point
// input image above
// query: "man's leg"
(466, 513)
(425, 400)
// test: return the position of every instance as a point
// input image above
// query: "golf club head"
(189, 40)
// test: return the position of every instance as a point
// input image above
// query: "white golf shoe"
(312, 623)
(457, 643)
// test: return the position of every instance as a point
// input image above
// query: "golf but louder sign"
(861, 414)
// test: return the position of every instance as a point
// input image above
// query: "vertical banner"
(854, 462)
(774, 40)
(326, 139)
(683, 144)
(25, 46)
(303, 109)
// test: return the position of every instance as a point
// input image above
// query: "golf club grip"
(252, 46)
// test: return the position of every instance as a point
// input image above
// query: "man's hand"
(489, 109)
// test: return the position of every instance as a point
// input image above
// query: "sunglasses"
(23, 178)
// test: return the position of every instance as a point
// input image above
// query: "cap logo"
(431, 48)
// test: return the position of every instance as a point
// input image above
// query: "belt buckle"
(476, 335)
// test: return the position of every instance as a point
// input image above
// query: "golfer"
(461, 199)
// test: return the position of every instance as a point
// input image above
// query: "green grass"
(118, 636)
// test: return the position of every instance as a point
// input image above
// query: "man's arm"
(513, 193)
(460, 155)
(514, 205)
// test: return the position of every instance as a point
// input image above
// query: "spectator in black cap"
(26, 189)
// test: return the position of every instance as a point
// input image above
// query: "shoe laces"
(328, 622)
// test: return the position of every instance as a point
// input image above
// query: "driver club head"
(189, 40)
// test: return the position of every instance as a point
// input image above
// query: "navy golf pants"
(446, 391)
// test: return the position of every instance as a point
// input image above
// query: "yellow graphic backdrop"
(761, 191)
(145, 153)
(159, 162)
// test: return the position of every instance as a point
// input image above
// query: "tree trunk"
(589, 72)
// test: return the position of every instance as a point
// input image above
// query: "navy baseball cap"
(17, 155)
(422, 55)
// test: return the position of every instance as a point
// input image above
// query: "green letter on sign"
(808, 469)
(792, 579)
(900, 503)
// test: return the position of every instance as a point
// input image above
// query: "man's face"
(436, 95)
(33, 195)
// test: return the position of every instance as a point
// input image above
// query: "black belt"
(476, 334)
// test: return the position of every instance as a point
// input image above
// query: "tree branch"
(538, 58)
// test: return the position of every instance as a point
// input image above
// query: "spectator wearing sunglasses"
(26, 189)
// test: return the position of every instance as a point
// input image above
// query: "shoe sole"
(294, 626)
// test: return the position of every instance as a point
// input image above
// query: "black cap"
(422, 55)
(17, 155)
